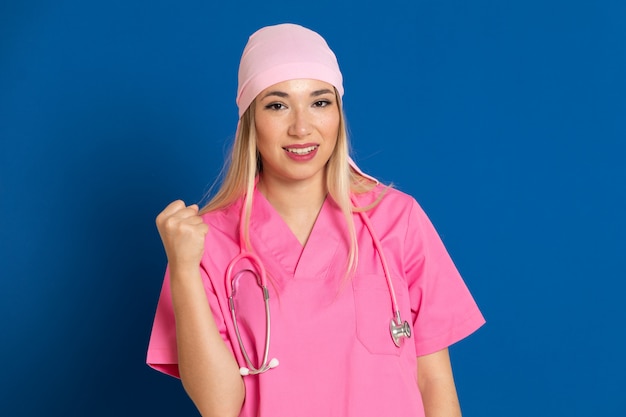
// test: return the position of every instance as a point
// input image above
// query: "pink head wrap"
(286, 52)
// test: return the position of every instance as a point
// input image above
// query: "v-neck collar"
(274, 241)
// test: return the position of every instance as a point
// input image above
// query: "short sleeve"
(443, 310)
(162, 349)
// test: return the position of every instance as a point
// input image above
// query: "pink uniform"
(331, 333)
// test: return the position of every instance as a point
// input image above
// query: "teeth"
(301, 151)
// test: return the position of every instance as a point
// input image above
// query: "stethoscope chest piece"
(399, 330)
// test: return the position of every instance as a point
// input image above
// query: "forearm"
(436, 384)
(208, 369)
(440, 399)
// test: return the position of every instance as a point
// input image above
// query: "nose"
(300, 124)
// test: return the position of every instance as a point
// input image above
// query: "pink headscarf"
(285, 52)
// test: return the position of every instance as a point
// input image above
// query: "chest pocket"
(374, 311)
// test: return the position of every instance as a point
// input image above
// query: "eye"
(322, 103)
(275, 106)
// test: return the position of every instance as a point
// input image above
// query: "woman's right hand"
(208, 369)
(182, 232)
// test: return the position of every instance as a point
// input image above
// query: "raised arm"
(208, 370)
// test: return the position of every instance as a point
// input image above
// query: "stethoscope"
(397, 327)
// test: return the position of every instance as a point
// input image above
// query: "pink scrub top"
(330, 333)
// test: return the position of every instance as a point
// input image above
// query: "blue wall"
(505, 119)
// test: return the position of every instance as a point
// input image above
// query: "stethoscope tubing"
(397, 327)
(383, 260)
(261, 278)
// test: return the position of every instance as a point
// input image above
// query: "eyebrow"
(282, 94)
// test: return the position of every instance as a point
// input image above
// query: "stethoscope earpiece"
(246, 371)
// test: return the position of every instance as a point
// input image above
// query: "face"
(297, 123)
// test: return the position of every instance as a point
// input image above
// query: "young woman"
(305, 287)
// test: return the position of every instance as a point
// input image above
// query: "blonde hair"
(243, 166)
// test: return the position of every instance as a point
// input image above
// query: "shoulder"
(390, 209)
(395, 208)
(395, 196)
(225, 219)
(387, 199)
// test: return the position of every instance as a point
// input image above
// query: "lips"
(302, 152)
(298, 150)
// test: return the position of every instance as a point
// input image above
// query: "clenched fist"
(182, 232)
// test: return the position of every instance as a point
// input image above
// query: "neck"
(297, 202)
(289, 197)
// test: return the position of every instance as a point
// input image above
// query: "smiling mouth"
(302, 151)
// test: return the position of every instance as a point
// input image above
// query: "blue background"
(505, 119)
